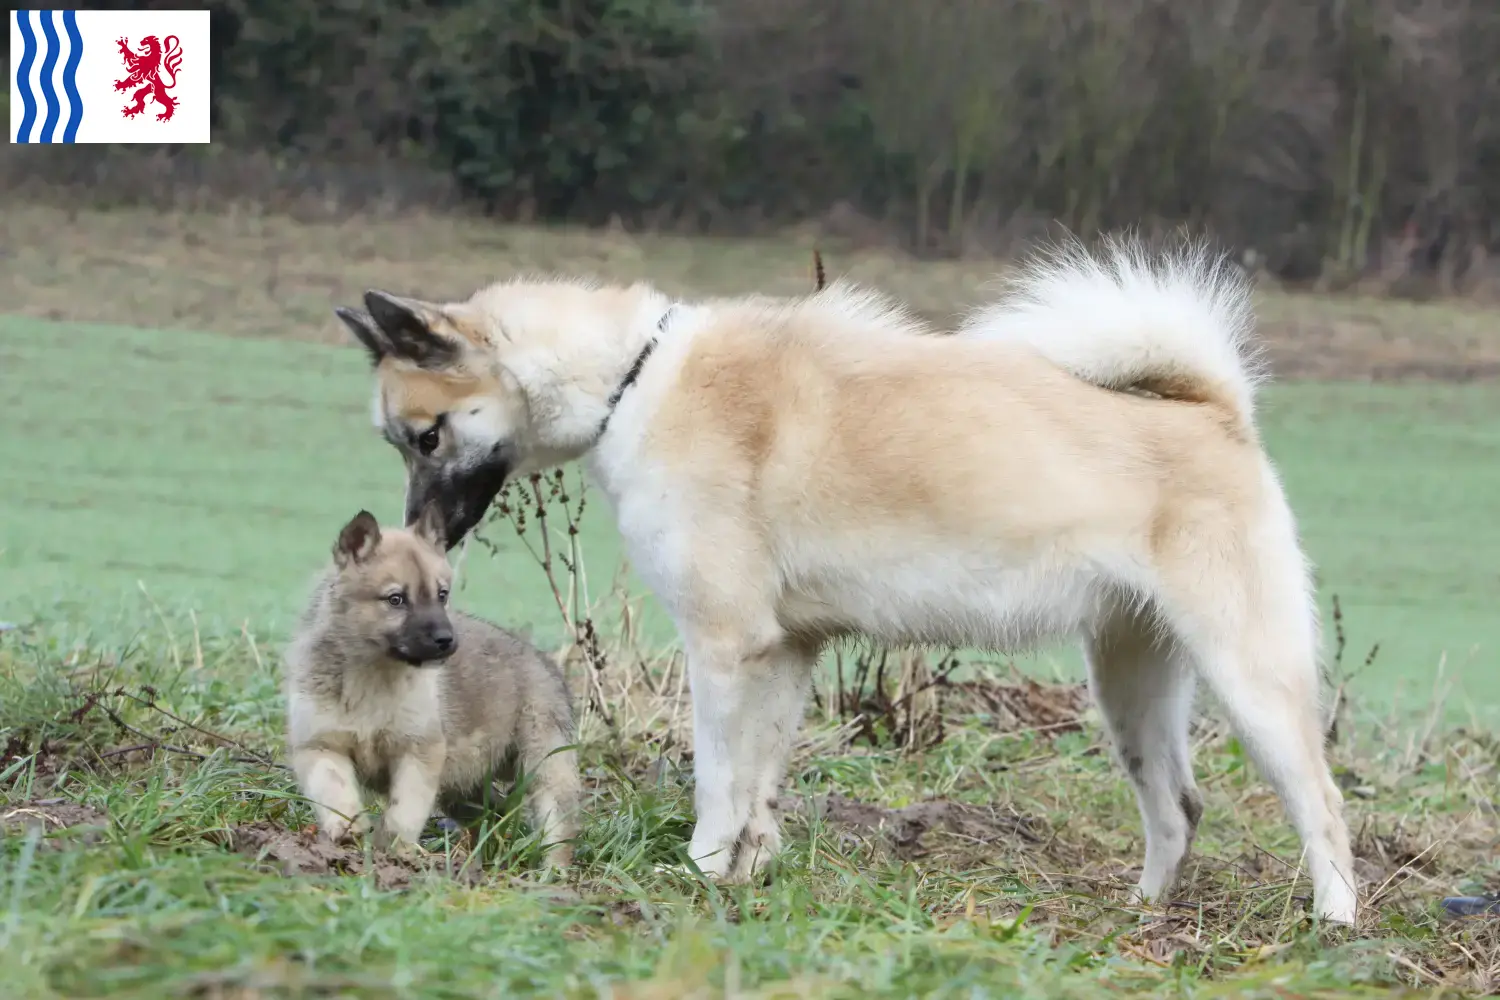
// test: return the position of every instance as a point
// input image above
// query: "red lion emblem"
(153, 70)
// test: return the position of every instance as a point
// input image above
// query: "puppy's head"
(391, 589)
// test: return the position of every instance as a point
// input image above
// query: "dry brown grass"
(246, 273)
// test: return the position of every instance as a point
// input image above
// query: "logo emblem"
(136, 76)
(153, 72)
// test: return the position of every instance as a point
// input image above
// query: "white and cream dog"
(1079, 459)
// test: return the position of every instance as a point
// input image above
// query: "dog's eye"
(442, 595)
(428, 442)
(395, 600)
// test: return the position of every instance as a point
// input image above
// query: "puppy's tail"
(1176, 324)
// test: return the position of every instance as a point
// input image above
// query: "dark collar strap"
(634, 372)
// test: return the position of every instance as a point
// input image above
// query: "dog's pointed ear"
(362, 325)
(358, 540)
(430, 527)
(409, 328)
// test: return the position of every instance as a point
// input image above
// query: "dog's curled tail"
(1177, 324)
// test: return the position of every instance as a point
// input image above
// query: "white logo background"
(100, 65)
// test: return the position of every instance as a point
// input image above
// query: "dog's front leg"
(747, 705)
(723, 721)
(328, 780)
(415, 782)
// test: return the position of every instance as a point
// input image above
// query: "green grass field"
(205, 473)
(166, 496)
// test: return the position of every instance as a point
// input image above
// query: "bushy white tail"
(1177, 324)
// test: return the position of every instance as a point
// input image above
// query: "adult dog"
(1080, 458)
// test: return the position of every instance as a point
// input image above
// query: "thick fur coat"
(1079, 459)
(374, 704)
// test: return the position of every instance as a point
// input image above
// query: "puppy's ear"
(430, 527)
(362, 325)
(358, 540)
(410, 328)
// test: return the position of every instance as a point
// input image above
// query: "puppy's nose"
(443, 640)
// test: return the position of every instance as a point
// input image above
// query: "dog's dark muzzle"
(462, 496)
(427, 640)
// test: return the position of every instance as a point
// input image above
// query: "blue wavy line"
(23, 75)
(70, 76)
(49, 63)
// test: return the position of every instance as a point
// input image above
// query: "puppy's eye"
(428, 442)
(442, 595)
(395, 600)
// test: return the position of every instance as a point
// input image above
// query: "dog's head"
(391, 589)
(444, 402)
(512, 381)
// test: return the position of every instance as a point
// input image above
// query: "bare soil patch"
(248, 273)
(904, 828)
(53, 815)
(303, 852)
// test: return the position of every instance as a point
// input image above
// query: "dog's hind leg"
(1250, 623)
(781, 696)
(1279, 725)
(1143, 684)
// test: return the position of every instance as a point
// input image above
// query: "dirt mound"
(52, 815)
(904, 827)
(302, 852)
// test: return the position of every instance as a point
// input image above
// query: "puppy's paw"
(406, 850)
(559, 858)
(342, 832)
(393, 843)
(386, 838)
(335, 830)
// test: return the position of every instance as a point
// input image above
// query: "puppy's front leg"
(327, 779)
(415, 781)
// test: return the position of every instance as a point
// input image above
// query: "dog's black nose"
(443, 640)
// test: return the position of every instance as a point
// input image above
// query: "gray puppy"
(387, 690)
